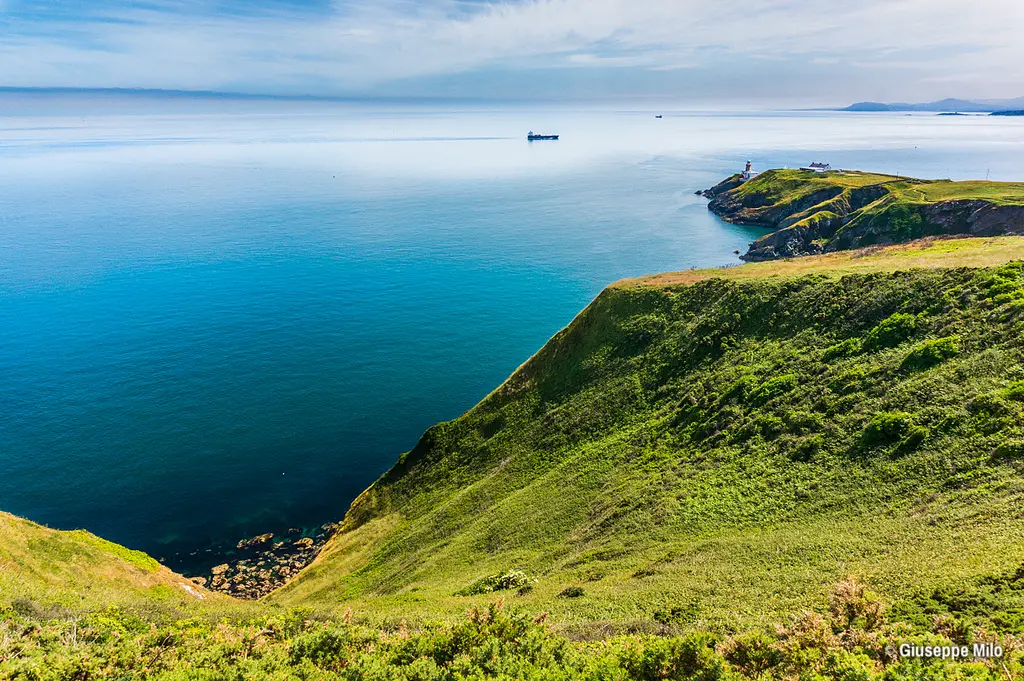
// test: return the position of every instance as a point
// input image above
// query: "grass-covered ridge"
(837, 210)
(724, 450)
(45, 571)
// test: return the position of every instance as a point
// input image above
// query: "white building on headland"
(747, 174)
(817, 167)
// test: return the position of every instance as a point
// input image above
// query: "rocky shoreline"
(264, 563)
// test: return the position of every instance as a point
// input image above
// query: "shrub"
(802, 422)
(891, 332)
(930, 353)
(807, 631)
(1015, 391)
(843, 665)
(679, 614)
(1003, 284)
(1011, 449)
(692, 657)
(326, 649)
(848, 348)
(113, 623)
(768, 426)
(992, 413)
(849, 381)
(753, 654)
(956, 629)
(888, 427)
(740, 387)
(571, 592)
(989, 405)
(903, 220)
(503, 581)
(774, 387)
(914, 438)
(807, 448)
(852, 606)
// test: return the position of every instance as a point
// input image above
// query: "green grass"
(693, 441)
(780, 185)
(137, 558)
(775, 186)
(928, 253)
(56, 573)
(1006, 193)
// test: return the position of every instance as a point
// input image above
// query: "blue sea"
(220, 318)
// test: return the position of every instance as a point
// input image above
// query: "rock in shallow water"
(266, 566)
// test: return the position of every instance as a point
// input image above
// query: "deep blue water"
(219, 323)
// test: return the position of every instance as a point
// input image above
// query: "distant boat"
(533, 136)
(659, 116)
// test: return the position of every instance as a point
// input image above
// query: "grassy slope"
(47, 572)
(781, 187)
(696, 449)
(814, 212)
(929, 253)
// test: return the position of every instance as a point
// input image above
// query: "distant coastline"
(1001, 107)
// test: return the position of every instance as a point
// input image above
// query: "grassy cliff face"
(46, 572)
(717, 454)
(838, 210)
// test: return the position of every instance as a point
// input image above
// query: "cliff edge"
(813, 213)
(720, 444)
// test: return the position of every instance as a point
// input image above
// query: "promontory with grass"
(818, 212)
(785, 469)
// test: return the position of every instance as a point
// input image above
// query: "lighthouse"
(746, 171)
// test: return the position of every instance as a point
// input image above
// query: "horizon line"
(228, 94)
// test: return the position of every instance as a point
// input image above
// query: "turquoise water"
(226, 320)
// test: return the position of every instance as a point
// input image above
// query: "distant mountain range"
(963, 105)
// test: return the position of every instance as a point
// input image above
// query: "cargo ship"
(531, 136)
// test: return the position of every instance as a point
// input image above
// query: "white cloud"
(945, 43)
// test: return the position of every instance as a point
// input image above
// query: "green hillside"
(44, 570)
(780, 470)
(725, 450)
(822, 212)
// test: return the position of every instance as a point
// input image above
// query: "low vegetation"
(49, 572)
(504, 581)
(856, 636)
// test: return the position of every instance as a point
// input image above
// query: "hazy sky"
(735, 51)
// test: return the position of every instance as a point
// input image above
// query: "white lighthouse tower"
(746, 171)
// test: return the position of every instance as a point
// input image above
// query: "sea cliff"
(812, 213)
(696, 442)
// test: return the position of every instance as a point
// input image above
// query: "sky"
(796, 52)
